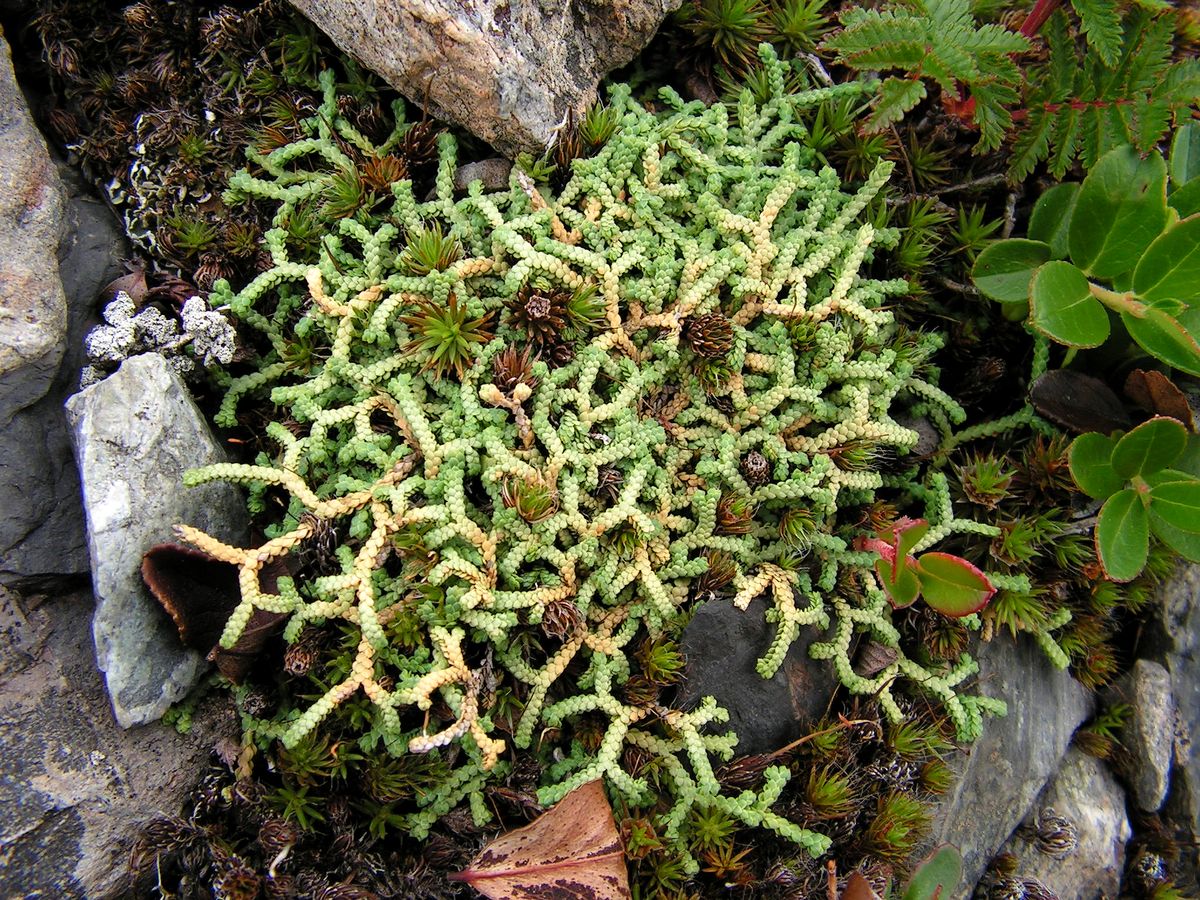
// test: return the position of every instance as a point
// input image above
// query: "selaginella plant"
(496, 534)
(1149, 480)
(1113, 246)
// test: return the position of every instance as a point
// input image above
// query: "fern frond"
(896, 97)
(1102, 25)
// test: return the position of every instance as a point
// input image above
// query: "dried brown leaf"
(1078, 402)
(572, 852)
(858, 888)
(1157, 394)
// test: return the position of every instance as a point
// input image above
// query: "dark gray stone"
(60, 247)
(135, 434)
(1016, 755)
(74, 788)
(722, 645)
(492, 172)
(1085, 794)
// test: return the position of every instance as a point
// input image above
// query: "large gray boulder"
(74, 788)
(58, 248)
(1010, 764)
(505, 70)
(1082, 806)
(135, 434)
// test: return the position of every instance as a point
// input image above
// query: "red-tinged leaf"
(199, 593)
(858, 888)
(953, 586)
(1157, 394)
(573, 851)
(907, 533)
(1123, 536)
(901, 585)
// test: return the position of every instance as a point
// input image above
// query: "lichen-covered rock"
(74, 787)
(1011, 763)
(506, 70)
(1073, 840)
(135, 434)
(722, 644)
(1149, 736)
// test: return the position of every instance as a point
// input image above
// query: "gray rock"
(508, 71)
(75, 788)
(1010, 764)
(1149, 736)
(1086, 795)
(135, 434)
(60, 247)
(1178, 644)
(722, 645)
(492, 172)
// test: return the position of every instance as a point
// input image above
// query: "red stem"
(1037, 16)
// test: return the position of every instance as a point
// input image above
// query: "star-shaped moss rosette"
(730, 327)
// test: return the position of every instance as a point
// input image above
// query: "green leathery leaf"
(1050, 221)
(1177, 502)
(1186, 200)
(1185, 155)
(1090, 461)
(1170, 267)
(1185, 543)
(1165, 337)
(903, 589)
(1150, 447)
(936, 876)
(1122, 208)
(953, 586)
(1123, 536)
(1063, 307)
(1003, 271)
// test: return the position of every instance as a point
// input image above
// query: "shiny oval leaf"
(573, 850)
(953, 586)
(1170, 267)
(1185, 543)
(1149, 448)
(1177, 502)
(1186, 200)
(1090, 461)
(936, 877)
(1064, 309)
(1122, 208)
(1166, 337)
(1050, 221)
(1004, 270)
(1123, 536)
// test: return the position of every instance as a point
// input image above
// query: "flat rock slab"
(1149, 736)
(1086, 795)
(1016, 755)
(76, 789)
(135, 434)
(506, 70)
(722, 644)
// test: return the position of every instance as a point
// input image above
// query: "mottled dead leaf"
(1157, 394)
(572, 852)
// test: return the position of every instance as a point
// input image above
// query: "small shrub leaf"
(1186, 200)
(1166, 337)
(1090, 460)
(1123, 536)
(1005, 269)
(1170, 267)
(1177, 502)
(1149, 448)
(1122, 207)
(1185, 543)
(937, 876)
(1185, 155)
(1050, 221)
(953, 586)
(1064, 309)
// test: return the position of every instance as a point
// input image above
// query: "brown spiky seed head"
(710, 335)
(608, 483)
(561, 619)
(540, 312)
(302, 655)
(237, 881)
(755, 468)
